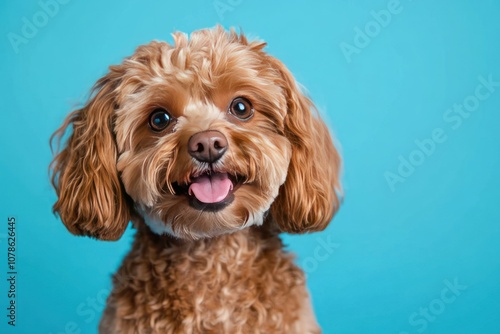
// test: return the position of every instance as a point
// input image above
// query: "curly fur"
(191, 270)
(238, 283)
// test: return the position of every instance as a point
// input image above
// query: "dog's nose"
(207, 146)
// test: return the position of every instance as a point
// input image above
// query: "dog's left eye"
(159, 120)
(241, 108)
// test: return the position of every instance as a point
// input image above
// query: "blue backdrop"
(411, 90)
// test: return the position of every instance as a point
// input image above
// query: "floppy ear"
(91, 200)
(309, 197)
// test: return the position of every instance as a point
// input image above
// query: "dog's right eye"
(159, 120)
(241, 108)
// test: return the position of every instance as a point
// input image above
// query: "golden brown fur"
(191, 269)
(238, 283)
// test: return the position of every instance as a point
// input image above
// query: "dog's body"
(210, 148)
(238, 283)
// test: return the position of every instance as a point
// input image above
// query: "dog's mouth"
(210, 191)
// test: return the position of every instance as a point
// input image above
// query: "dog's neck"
(252, 239)
(143, 216)
(239, 279)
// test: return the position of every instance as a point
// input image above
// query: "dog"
(210, 148)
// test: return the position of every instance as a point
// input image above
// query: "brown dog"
(211, 149)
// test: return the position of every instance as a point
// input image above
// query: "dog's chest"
(236, 286)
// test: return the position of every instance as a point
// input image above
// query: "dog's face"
(200, 138)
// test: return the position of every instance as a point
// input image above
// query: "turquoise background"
(390, 252)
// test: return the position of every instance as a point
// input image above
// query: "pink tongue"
(211, 189)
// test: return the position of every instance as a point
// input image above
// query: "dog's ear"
(91, 200)
(309, 197)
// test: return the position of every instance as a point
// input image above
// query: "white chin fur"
(160, 227)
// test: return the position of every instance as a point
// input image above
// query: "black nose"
(207, 146)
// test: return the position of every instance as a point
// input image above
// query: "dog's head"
(200, 138)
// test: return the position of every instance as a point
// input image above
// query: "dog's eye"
(159, 120)
(241, 108)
